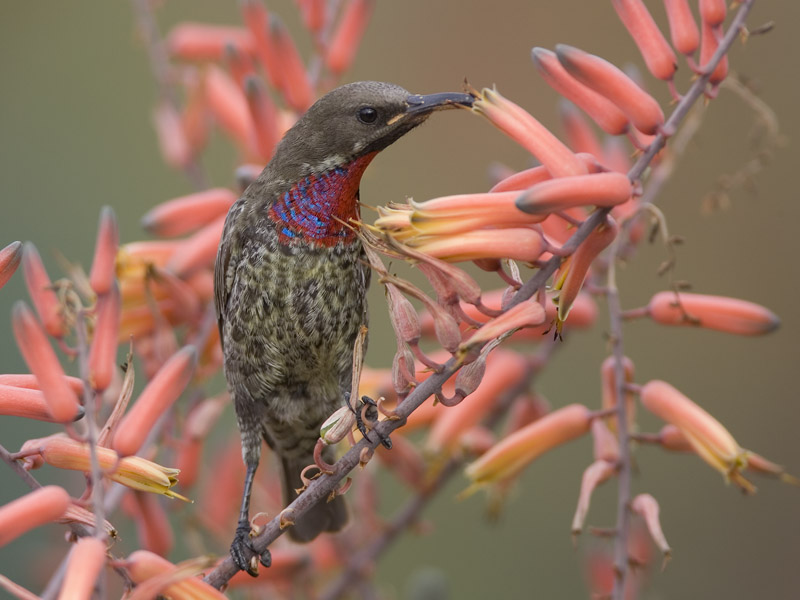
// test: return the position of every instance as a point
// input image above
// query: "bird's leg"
(369, 408)
(242, 550)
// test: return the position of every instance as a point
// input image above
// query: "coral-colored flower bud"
(157, 576)
(683, 30)
(515, 243)
(503, 371)
(522, 180)
(152, 525)
(404, 460)
(41, 291)
(606, 79)
(202, 42)
(346, 38)
(26, 403)
(599, 189)
(598, 472)
(313, 13)
(173, 142)
(602, 111)
(577, 266)
(10, 256)
(256, 17)
(672, 438)
(35, 508)
(524, 314)
(295, 84)
(710, 440)
(42, 361)
(156, 398)
(514, 452)
(579, 133)
(195, 118)
(101, 277)
(529, 133)
(647, 507)
(709, 42)
(228, 104)
(86, 560)
(29, 381)
(265, 116)
(197, 427)
(712, 12)
(605, 444)
(199, 251)
(188, 213)
(609, 389)
(103, 352)
(657, 54)
(712, 312)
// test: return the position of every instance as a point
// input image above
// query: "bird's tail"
(323, 516)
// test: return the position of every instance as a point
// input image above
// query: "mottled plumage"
(291, 282)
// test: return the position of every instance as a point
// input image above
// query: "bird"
(290, 286)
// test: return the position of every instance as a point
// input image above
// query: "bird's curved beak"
(419, 105)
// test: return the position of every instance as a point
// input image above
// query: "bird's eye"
(367, 114)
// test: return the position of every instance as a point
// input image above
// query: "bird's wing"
(225, 266)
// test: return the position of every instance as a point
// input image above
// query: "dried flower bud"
(647, 507)
(403, 316)
(598, 472)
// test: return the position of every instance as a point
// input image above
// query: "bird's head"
(355, 120)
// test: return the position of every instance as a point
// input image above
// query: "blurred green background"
(75, 134)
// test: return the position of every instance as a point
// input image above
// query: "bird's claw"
(243, 553)
(371, 414)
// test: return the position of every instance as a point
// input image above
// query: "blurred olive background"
(75, 134)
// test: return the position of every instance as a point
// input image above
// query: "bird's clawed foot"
(367, 410)
(244, 555)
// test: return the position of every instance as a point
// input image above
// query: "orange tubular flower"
(504, 370)
(86, 560)
(574, 270)
(710, 440)
(188, 213)
(227, 103)
(515, 451)
(712, 12)
(28, 381)
(344, 44)
(709, 42)
(133, 471)
(202, 42)
(198, 251)
(712, 312)
(598, 472)
(103, 353)
(41, 291)
(155, 399)
(657, 54)
(101, 277)
(515, 243)
(295, 84)
(27, 403)
(602, 111)
(31, 510)
(609, 387)
(524, 314)
(42, 361)
(10, 256)
(682, 27)
(157, 576)
(529, 133)
(606, 79)
(647, 507)
(176, 150)
(553, 195)
(265, 116)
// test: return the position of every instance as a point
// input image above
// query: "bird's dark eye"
(367, 114)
